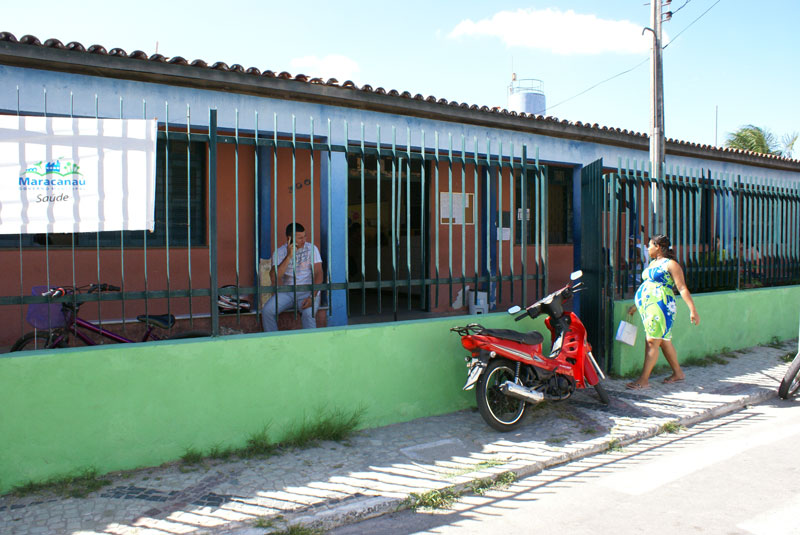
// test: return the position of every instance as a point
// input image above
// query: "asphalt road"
(735, 475)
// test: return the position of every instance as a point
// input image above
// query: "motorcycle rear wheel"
(791, 381)
(501, 412)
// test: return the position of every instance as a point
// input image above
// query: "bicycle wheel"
(791, 381)
(41, 340)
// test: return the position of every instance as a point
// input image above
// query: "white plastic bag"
(626, 333)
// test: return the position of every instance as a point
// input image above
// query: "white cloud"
(560, 32)
(331, 66)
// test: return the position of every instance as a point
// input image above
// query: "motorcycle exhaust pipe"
(520, 392)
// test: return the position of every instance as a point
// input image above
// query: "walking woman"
(655, 300)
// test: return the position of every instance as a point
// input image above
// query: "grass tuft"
(775, 342)
(788, 357)
(218, 452)
(77, 485)
(700, 362)
(716, 359)
(614, 445)
(434, 499)
(333, 424)
(671, 428)
(192, 456)
(257, 445)
(506, 478)
(264, 522)
(475, 468)
(298, 529)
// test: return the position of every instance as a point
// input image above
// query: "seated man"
(294, 263)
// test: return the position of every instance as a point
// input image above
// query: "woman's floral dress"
(655, 300)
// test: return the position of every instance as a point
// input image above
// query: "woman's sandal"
(635, 386)
(670, 380)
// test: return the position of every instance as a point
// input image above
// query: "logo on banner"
(58, 177)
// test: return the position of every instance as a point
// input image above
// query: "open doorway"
(387, 247)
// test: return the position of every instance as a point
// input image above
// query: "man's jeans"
(269, 318)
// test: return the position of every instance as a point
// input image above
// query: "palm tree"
(761, 140)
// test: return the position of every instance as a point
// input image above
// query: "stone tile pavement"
(375, 471)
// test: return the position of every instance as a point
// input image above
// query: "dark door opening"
(386, 241)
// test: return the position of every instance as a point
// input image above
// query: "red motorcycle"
(511, 371)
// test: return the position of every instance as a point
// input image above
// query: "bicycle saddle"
(163, 321)
(531, 338)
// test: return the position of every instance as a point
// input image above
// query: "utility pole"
(657, 138)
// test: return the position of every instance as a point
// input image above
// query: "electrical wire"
(600, 83)
(691, 23)
(642, 62)
(683, 6)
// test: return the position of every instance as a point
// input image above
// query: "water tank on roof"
(526, 95)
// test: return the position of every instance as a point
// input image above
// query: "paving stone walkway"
(376, 470)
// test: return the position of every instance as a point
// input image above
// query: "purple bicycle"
(55, 323)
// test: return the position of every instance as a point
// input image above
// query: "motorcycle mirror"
(514, 309)
(575, 275)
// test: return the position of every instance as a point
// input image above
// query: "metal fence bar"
(121, 243)
(495, 173)
(452, 214)
(463, 208)
(167, 243)
(236, 212)
(378, 257)
(188, 215)
(423, 218)
(436, 213)
(313, 218)
(256, 220)
(363, 238)
(329, 277)
(212, 223)
(525, 202)
(475, 217)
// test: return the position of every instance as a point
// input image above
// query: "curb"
(373, 507)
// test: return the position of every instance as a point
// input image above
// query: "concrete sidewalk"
(376, 470)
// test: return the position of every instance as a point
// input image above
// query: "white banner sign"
(59, 174)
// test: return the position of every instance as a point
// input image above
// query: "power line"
(691, 23)
(683, 6)
(642, 62)
(600, 83)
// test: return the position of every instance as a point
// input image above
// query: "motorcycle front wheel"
(791, 381)
(602, 394)
(501, 412)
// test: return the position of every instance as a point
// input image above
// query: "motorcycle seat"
(531, 338)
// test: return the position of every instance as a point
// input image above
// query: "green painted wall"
(727, 319)
(125, 406)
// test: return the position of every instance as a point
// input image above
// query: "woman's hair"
(662, 242)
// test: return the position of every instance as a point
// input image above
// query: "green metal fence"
(728, 231)
(459, 213)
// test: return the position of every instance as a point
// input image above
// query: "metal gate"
(596, 305)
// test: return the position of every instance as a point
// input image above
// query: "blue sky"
(740, 56)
